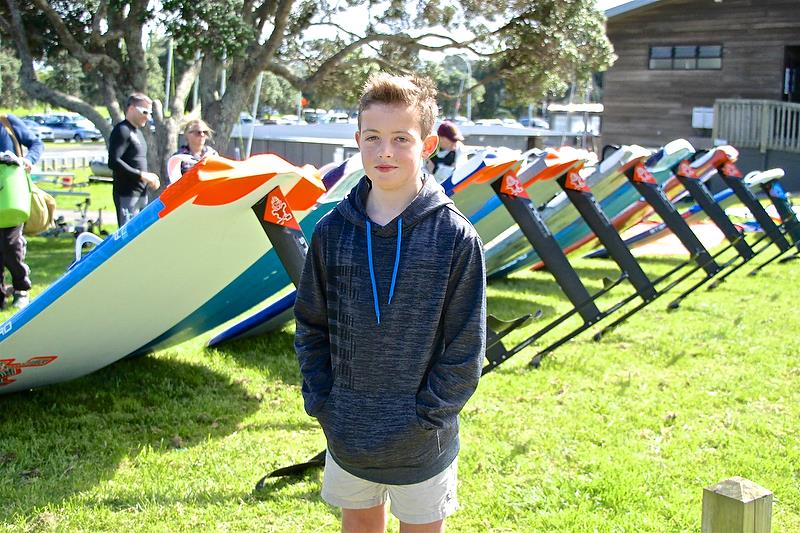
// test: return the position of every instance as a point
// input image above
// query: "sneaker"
(21, 300)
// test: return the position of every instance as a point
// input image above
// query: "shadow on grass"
(271, 354)
(67, 438)
(507, 308)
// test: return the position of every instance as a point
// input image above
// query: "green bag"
(15, 196)
(15, 188)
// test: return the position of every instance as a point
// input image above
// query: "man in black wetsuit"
(127, 158)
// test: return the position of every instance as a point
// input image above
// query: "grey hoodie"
(391, 332)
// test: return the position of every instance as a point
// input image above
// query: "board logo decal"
(686, 170)
(277, 210)
(512, 186)
(642, 175)
(731, 170)
(9, 369)
(576, 182)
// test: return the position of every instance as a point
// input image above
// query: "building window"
(686, 57)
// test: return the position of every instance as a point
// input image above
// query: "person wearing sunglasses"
(197, 133)
(127, 158)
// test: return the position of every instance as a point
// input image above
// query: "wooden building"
(678, 58)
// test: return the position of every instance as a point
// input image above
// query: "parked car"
(336, 118)
(39, 119)
(69, 129)
(460, 120)
(535, 122)
(247, 119)
(511, 123)
(489, 122)
(42, 132)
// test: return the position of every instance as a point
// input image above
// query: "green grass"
(100, 197)
(616, 436)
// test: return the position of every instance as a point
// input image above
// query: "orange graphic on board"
(277, 210)
(731, 170)
(218, 181)
(512, 186)
(576, 182)
(9, 369)
(686, 170)
(642, 175)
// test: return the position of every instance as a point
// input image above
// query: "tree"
(11, 94)
(312, 45)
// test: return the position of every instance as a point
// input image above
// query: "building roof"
(575, 108)
(627, 6)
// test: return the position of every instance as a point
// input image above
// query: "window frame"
(703, 57)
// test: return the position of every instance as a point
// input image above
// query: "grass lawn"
(616, 436)
(100, 198)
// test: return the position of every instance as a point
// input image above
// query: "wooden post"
(766, 110)
(736, 505)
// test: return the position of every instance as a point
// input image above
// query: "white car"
(42, 132)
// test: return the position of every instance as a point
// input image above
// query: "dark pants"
(129, 206)
(13, 247)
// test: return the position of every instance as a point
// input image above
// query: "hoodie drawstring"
(372, 268)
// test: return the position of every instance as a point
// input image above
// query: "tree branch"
(133, 44)
(183, 86)
(276, 37)
(40, 91)
(88, 60)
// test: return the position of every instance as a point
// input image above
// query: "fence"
(762, 124)
(68, 162)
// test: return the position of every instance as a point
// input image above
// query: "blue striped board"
(214, 261)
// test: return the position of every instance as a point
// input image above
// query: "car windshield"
(85, 123)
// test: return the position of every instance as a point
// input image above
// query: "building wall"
(652, 107)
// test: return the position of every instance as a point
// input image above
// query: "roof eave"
(628, 6)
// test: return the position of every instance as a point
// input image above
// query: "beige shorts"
(419, 503)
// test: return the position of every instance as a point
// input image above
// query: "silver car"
(70, 129)
(42, 132)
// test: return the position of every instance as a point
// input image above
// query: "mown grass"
(620, 435)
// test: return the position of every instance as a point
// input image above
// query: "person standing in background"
(127, 158)
(13, 245)
(444, 161)
(197, 133)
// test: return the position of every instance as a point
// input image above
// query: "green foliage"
(566, 38)
(342, 88)
(278, 94)
(211, 26)
(64, 73)
(620, 435)
(11, 94)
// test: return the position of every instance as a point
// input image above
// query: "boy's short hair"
(138, 99)
(416, 91)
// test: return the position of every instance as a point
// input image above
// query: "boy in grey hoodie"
(391, 314)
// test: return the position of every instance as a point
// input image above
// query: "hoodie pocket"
(370, 430)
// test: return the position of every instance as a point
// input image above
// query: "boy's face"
(391, 146)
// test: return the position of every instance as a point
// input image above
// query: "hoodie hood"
(430, 198)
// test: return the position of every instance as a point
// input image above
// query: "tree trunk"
(224, 114)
